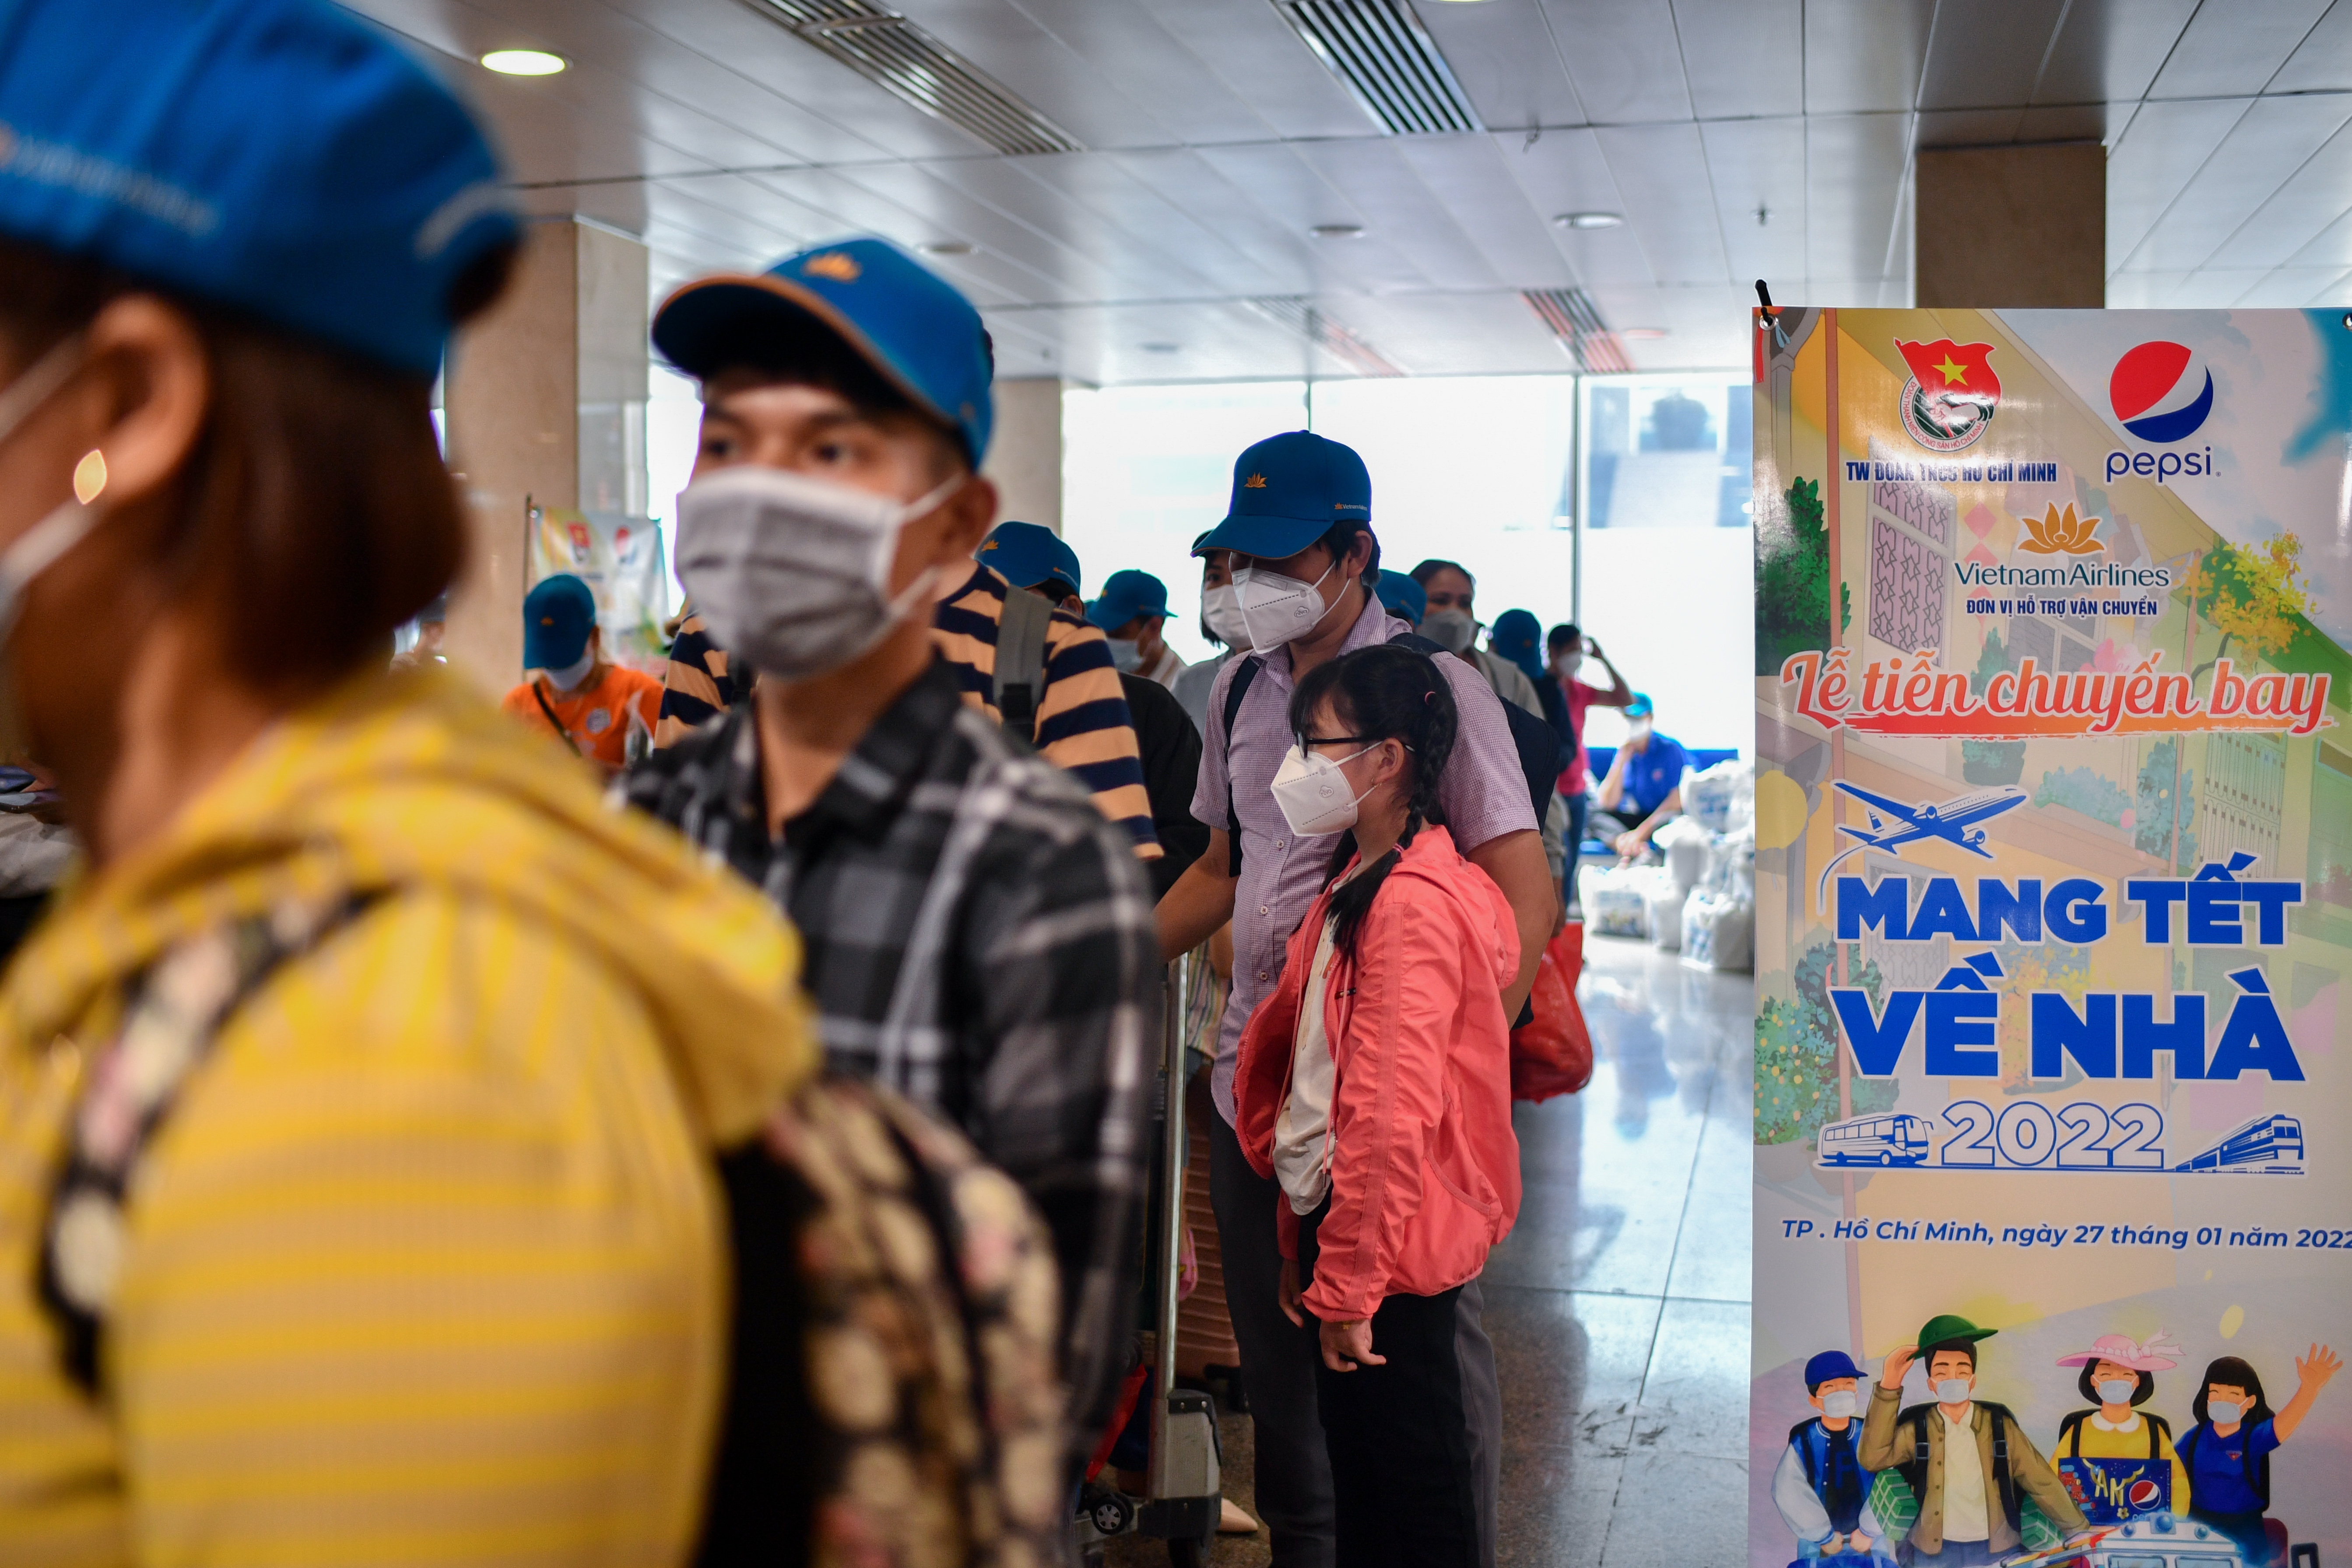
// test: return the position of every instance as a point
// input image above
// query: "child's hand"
(2314, 1370)
(1286, 1292)
(1346, 1345)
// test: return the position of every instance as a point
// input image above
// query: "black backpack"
(1535, 741)
(1914, 1471)
(2257, 1468)
(2071, 1431)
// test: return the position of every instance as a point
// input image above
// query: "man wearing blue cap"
(1644, 791)
(1304, 555)
(595, 707)
(978, 934)
(1131, 611)
(1820, 1487)
(1405, 597)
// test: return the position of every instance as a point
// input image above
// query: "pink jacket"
(1424, 1167)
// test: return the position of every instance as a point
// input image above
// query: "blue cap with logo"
(558, 614)
(278, 156)
(1288, 490)
(1641, 707)
(1025, 554)
(912, 325)
(1828, 1366)
(1124, 595)
(1403, 595)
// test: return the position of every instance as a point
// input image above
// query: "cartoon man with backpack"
(1967, 1460)
(1820, 1487)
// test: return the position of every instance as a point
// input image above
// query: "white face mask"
(1221, 612)
(1843, 1403)
(1453, 628)
(2223, 1410)
(573, 674)
(1953, 1391)
(2118, 1390)
(1278, 609)
(1314, 794)
(1127, 654)
(1569, 663)
(37, 549)
(793, 575)
(1638, 730)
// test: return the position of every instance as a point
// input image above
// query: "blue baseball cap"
(278, 156)
(1126, 594)
(1827, 1365)
(898, 315)
(1403, 595)
(1640, 707)
(558, 614)
(1025, 554)
(1288, 490)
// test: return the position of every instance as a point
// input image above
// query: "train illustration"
(2267, 1145)
(1896, 1139)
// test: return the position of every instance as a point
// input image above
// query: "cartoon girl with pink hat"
(2116, 1460)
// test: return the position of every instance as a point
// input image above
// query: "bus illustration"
(1898, 1138)
(2266, 1146)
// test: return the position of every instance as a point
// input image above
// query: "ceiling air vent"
(1576, 322)
(892, 52)
(1304, 321)
(1387, 59)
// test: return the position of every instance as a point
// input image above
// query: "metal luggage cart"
(1183, 1487)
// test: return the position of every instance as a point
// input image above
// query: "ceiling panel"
(2162, 150)
(1505, 56)
(1865, 54)
(1669, 199)
(1216, 142)
(1624, 57)
(1743, 59)
(2233, 47)
(1974, 63)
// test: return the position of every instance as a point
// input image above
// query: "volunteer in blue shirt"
(1131, 611)
(1644, 791)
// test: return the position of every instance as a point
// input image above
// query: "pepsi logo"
(2162, 391)
(2142, 1495)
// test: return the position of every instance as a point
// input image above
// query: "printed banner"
(622, 561)
(2054, 834)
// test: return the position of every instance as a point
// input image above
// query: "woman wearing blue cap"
(357, 1098)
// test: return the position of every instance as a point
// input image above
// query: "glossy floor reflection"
(1619, 1306)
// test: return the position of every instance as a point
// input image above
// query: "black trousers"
(1404, 1481)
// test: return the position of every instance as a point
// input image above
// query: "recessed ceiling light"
(523, 62)
(1159, 348)
(1590, 220)
(1644, 332)
(945, 247)
(1337, 230)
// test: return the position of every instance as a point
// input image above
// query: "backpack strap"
(2158, 1432)
(1021, 633)
(563, 735)
(1234, 691)
(175, 1010)
(2002, 1476)
(2071, 1431)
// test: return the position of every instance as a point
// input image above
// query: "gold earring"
(89, 477)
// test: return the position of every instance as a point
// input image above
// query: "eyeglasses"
(1306, 741)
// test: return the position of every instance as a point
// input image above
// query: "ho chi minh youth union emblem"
(1951, 394)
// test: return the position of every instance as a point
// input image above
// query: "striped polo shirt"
(1082, 724)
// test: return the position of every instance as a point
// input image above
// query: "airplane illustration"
(1948, 820)
(1955, 821)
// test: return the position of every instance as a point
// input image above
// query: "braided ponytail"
(1382, 693)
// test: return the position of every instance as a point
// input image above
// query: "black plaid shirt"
(981, 939)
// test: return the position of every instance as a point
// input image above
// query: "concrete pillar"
(2010, 228)
(544, 400)
(1024, 455)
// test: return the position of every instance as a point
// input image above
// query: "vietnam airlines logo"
(1951, 394)
(1254, 482)
(2060, 533)
(834, 264)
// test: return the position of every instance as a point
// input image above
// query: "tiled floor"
(1619, 1306)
